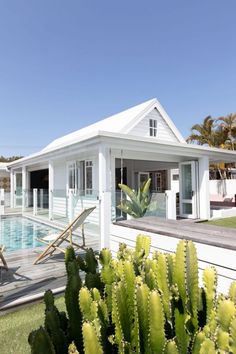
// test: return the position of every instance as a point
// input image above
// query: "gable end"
(163, 130)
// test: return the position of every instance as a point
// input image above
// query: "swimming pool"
(20, 233)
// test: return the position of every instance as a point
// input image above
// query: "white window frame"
(71, 166)
(88, 164)
(153, 127)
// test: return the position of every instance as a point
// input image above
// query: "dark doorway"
(39, 180)
(118, 177)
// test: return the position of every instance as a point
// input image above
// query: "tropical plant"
(136, 203)
(146, 305)
(228, 126)
(204, 134)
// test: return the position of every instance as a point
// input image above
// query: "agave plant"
(137, 202)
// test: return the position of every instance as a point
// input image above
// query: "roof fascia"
(175, 148)
(85, 143)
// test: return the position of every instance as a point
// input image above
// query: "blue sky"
(66, 64)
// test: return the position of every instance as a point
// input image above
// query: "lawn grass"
(226, 222)
(16, 326)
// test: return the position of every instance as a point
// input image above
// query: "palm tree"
(228, 125)
(213, 134)
(204, 134)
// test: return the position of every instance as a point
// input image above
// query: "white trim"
(132, 142)
(194, 188)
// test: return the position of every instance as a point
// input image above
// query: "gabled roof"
(121, 122)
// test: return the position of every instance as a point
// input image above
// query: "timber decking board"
(23, 278)
(185, 229)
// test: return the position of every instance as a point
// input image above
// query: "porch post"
(104, 195)
(12, 188)
(204, 192)
(24, 183)
(50, 189)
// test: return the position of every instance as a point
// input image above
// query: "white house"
(129, 146)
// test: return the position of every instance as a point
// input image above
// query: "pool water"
(20, 233)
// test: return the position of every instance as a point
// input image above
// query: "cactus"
(72, 349)
(71, 298)
(53, 324)
(171, 348)
(40, 342)
(89, 265)
(91, 342)
(149, 305)
(232, 292)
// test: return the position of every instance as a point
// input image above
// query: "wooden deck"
(23, 279)
(186, 229)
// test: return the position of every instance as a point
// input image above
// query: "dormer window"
(153, 127)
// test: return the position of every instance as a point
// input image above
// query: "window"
(153, 127)
(89, 177)
(158, 181)
(175, 177)
(80, 176)
(72, 175)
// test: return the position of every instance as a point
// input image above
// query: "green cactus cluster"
(139, 303)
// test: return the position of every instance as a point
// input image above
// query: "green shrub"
(142, 304)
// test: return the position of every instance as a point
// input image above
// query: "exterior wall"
(60, 195)
(88, 202)
(207, 254)
(60, 178)
(222, 190)
(163, 130)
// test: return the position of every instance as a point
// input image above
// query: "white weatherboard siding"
(88, 202)
(163, 130)
(60, 176)
(221, 189)
(223, 259)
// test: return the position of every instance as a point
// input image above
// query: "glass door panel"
(18, 189)
(188, 189)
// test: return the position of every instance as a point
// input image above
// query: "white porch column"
(170, 204)
(35, 201)
(50, 189)
(12, 188)
(104, 195)
(204, 191)
(24, 187)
